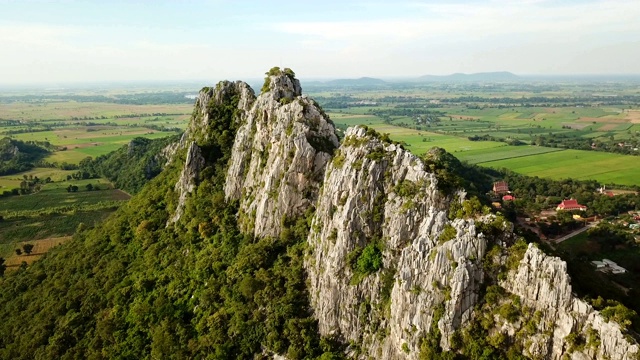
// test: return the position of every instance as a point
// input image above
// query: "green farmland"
(503, 152)
(554, 127)
(576, 164)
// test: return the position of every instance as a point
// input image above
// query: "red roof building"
(571, 204)
(508, 198)
(500, 187)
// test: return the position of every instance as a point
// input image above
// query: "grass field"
(503, 152)
(398, 114)
(52, 213)
(576, 164)
(59, 197)
(82, 129)
(78, 143)
(66, 110)
(540, 161)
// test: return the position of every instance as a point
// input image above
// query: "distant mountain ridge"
(482, 76)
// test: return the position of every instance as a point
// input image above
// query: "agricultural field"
(52, 212)
(576, 164)
(77, 124)
(580, 131)
(40, 247)
(480, 156)
(78, 127)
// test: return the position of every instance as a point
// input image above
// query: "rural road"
(572, 234)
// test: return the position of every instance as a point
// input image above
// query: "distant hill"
(133, 165)
(460, 77)
(17, 156)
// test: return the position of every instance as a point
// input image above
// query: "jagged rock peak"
(211, 101)
(279, 155)
(378, 265)
(281, 84)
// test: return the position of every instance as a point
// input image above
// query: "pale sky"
(114, 40)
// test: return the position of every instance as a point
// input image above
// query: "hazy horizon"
(205, 41)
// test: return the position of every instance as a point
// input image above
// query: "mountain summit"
(265, 237)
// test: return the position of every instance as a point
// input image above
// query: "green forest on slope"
(132, 166)
(17, 156)
(134, 288)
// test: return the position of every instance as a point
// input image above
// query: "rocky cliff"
(378, 199)
(279, 156)
(566, 325)
(391, 271)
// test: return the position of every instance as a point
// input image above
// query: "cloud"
(477, 21)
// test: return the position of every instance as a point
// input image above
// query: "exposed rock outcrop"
(211, 102)
(542, 283)
(188, 178)
(216, 110)
(375, 192)
(279, 156)
(168, 153)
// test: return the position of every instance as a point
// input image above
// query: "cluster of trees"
(419, 115)
(487, 137)
(26, 249)
(89, 187)
(570, 141)
(544, 101)
(535, 194)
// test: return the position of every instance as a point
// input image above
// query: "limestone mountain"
(265, 237)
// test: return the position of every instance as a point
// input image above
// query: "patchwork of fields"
(552, 162)
(90, 129)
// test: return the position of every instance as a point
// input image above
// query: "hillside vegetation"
(18, 156)
(188, 269)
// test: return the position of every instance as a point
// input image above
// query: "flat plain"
(555, 126)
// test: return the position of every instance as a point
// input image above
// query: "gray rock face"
(168, 153)
(279, 157)
(237, 95)
(379, 192)
(188, 178)
(543, 284)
